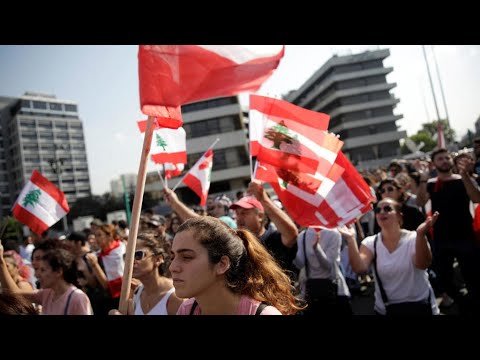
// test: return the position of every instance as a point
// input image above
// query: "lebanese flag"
(173, 75)
(40, 204)
(198, 178)
(168, 145)
(260, 106)
(440, 136)
(290, 137)
(112, 259)
(335, 203)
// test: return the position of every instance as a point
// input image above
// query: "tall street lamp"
(56, 165)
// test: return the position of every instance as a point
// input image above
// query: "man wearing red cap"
(252, 214)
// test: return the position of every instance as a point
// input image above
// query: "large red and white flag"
(198, 178)
(440, 136)
(40, 204)
(336, 202)
(173, 75)
(291, 137)
(168, 145)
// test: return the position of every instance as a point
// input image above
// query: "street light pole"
(56, 165)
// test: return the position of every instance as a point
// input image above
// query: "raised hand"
(424, 227)
(347, 231)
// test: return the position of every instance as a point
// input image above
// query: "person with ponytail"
(223, 271)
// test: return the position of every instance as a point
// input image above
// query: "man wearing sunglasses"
(453, 237)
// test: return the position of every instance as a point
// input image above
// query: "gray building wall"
(42, 132)
(354, 91)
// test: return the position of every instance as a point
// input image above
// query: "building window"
(40, 105)
(26, 104)
(70, 107)
(55, 106)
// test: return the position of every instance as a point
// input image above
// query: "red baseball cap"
(247, 202)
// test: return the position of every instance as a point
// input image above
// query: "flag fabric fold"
(335, 203)
(40, 204)
(173, 75)
(198, 178)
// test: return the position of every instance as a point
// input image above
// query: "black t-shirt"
(272, 240)
(455, 223)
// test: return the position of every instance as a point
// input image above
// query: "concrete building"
(354, 91)
(116, 185)
(41, 132)
(205, 121)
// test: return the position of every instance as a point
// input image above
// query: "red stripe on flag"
(194, 183)
(178, 157)
(142, 125)
(289, 161)
(254, 148)
(44, 184)
(27, 218)
(283, 109)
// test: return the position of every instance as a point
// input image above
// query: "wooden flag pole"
(137, 207)
(211, 147)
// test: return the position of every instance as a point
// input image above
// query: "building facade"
(116, 185)
(204, 122)
(354, 91)
(39, 131)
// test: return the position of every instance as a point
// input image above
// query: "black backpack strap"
(260, 308)
(194, 306)
(68, 302)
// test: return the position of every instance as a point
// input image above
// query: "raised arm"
(282, 221)
(422, 194)
(183, 211)
(423, 254)
(360, 260)
(463, 166)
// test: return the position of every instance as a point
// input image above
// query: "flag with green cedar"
(40, 204)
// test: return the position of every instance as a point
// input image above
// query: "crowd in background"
(247, 256)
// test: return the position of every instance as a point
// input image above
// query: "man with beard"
(450, 195)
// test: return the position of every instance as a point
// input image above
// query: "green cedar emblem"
(279, 134)
(160, 142)
(32, 198)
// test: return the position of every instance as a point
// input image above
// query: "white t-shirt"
(401, 280)
(159, 309)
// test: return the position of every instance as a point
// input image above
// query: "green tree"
(13, 229)
(426, 134)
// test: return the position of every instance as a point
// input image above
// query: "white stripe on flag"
(342, 199)
(243, 53)
(47, 209)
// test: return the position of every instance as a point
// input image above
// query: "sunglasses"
(385, 189)
(139, 255)
(386, 209)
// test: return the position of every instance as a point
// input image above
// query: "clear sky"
(103, 80)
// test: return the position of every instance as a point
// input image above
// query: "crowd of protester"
(247, 256)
